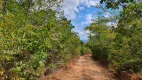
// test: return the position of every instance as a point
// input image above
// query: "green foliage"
(128, 42)
(121, 46)
(100, 38)
(33, 39)
(85, 49)
(116, 3)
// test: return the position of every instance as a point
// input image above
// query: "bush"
(32, 41)
(121, 46)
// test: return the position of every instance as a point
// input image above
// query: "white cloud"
(81, 33)
(84, 35)
(80, 27)
(106, 14)
(92, 3)
(81, 8)
(70, 7)
(110, 24)
(88, 19)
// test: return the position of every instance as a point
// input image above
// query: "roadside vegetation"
(120, 45)
(33, 39)
(36, 38)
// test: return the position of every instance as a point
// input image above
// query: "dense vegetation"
(121, 45)
(34, 37)
(84, 49)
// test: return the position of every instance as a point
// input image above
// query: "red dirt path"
(84, 68)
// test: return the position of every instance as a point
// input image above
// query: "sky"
(80, 12)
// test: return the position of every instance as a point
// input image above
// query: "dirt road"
(83, 68)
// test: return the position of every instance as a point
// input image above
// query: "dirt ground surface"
(83, 68)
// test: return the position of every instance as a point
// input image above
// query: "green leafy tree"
(116, 3)
(126, 48)
(100, 38)
(121, 46)
(33, 39)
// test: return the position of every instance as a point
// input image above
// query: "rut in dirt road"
(82, 69)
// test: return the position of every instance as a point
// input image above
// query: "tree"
(126, 48)
(121, 46)
(100, 38)
(116, 3)
(33, 39)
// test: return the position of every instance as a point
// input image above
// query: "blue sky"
(83, 19)
(81, 13)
